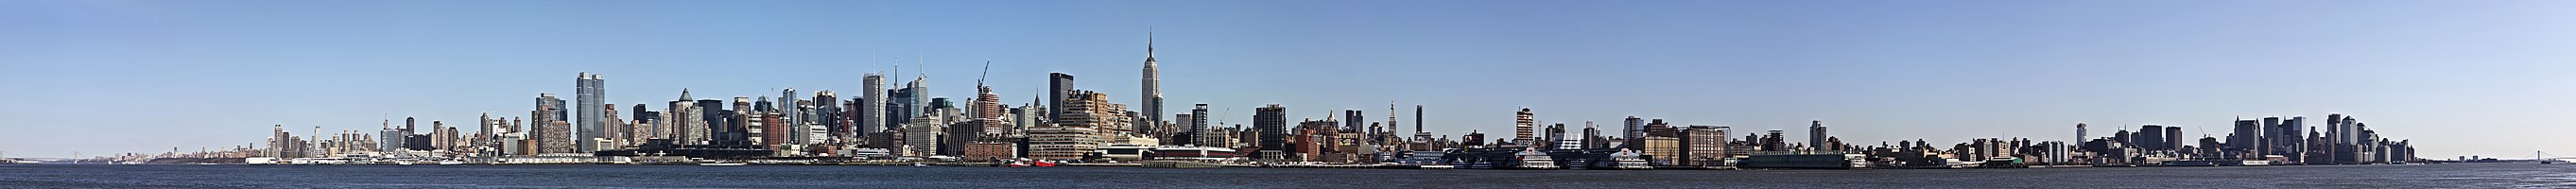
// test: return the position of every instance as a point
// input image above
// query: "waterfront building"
(591, 93)
(1703, 145)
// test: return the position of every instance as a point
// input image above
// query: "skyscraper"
(2151, 137)
(1636, 128)
(1058, 84)
(1523, 127)
(2173, 138)
(1199, 126)
(1273, 123)
(1816, 135)
(872, 110)
(2079, 132)
(552, 132)
(590, 93)
(2247, 138)
(1152, 99)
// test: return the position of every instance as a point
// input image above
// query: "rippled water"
(248, 176)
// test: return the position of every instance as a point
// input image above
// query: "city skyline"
(1210, 63)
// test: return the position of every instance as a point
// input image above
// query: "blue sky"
(2462, 78)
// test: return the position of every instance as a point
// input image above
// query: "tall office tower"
(872, 109)
(1592, 136)
(1557, 133)
(1199, 126)
(589, 92)
(2173, 138)
(1152, 99)
(2335, 129)
(1636, 128)
(2247, 139)
(1184, 133)
(717, 121)
(2352, 130)
(1523, 127)
(1352, 120)
(2151, 137)
(489, 129)
(1057, 85)
(2291, 142)
(1816, 135)
(551, 138)
(390, 139)
(1272, 120)
(1418, 133)
(2271, 128)
(919, 104)
(2079, 132)
(687, 125)
(788, 112)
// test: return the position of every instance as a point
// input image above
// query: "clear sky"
(2459, 77)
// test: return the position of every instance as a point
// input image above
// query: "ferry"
(1626, 159)
(1533, 159)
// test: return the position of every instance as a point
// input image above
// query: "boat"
(920, 165)
(451, 162)
(721, 164)
(1533, 159)
(1625, 159)
(402, 162)
(1042, 163)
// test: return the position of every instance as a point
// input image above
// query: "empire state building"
(1153, 98)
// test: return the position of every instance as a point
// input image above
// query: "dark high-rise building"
(1816, 135)
(2151, 137)
(2173, 138)
(1636, 129)
(719, 121)
(1199, 126)
(2248, 137)
(1351, 120)
(1272, 120)
(1418, 133)
(591, 94)
(1058, 84)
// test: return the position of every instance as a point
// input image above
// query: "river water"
(632, 176)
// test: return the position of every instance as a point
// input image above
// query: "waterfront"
(476, 176)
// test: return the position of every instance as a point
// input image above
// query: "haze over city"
(2460, 78)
